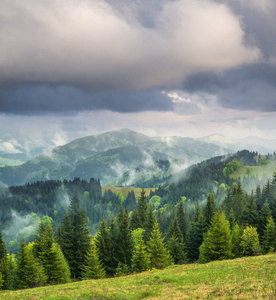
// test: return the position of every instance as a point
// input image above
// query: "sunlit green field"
(125, 190)
(244, 278)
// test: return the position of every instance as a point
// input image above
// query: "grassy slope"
(268, 169)
(244, 278)
(127, 189)
(9, 162)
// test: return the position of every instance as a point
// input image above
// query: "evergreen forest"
(60, 231)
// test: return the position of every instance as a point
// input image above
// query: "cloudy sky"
(69, 68)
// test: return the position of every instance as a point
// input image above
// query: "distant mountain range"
(119, 158)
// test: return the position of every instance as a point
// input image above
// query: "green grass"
(127, 189)
(9, 162)
(242, 171)
(244, 278)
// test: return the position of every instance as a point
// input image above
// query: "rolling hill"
(118, 158)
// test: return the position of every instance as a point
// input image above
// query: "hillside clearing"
(243, 278)
(126, 190)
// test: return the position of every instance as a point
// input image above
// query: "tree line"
(243, 224)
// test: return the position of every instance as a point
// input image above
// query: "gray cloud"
(249, 88)
(37, 99)
(88, 43)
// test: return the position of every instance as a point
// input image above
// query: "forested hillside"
(118, 158)
(205, 215)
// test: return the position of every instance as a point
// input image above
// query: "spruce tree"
(264, 215)
(51, 258)
(217, 242)
(250, 213)
(4, 263)
(150, 221)
(28, 272)
(182, 220)
(158, 253)
(74, 236)
(250, 241)
(195, 235)
(209, 209)
(103, 245)
(124, 244)
(235, 240)
(140, 260)
(270, 236)
(93, 268)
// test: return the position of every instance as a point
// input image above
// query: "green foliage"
(93, 268)
(74, 236)
(28, 272)
(217, 242)
(209, 209)
(140, 260)
(155, 201)
(158, 253)
(250, 241)
(103, 245)
(270, 236)
(236, 234)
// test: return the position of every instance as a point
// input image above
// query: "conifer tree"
(150, 221)
(51, 258)
(217, 242)
(124, 244)
(195, 235)
(250, 214)
(250, 241)
(74, 236)
(93, 268)
(5, 266)
(140, 260)
(209, 209)
(158, 253)
(270, 236)
(235, 240)
(28, 272)
(103, 245)
(182, 220)
(264, 215)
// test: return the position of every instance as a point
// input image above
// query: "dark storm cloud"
(42, 99)
(251, 87)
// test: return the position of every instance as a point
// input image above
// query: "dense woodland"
(173, 225)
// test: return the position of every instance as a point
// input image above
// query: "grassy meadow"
(125, 190)
(243, 278)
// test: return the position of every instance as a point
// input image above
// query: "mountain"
(121, 158)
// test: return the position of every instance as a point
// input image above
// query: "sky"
(71, 68)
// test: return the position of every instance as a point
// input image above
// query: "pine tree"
(250, 214)
(103, 245)
(195, 235)
(209, 209)
(124, 244)
(28, 272)
(140, 260)
(51, 258)
(150, 221)
(93, 268)
(175, 242)
(250, 241)
(158, 253)
(4, 267)
(270, 236)
(74, 236)
(264, 215)
(182, 220)
(235, 240)
(217, 242)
